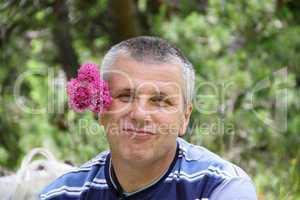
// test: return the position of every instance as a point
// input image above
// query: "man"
(152, 85)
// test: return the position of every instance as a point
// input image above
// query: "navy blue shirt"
(194, 174)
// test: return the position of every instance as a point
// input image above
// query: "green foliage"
(233, 54)
(235, 46)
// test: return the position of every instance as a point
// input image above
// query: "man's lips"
(138, 131)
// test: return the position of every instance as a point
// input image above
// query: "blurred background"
(246, 55)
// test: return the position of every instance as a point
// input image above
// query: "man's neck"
(133, 176)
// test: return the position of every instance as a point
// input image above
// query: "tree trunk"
(125, 20)
(63, 39)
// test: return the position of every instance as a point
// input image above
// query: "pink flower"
(89, 72)
(101, 99)
(79, 95)
(88, 91)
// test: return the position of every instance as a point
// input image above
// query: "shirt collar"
(116, 186)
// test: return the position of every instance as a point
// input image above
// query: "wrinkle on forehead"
(165, 72)
(141, 87)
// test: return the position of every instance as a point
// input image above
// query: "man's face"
(147, 112)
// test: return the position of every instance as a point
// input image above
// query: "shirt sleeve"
(239, 188)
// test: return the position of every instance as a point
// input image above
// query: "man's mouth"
(138, 131)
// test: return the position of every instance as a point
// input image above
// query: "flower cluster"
(88, 91)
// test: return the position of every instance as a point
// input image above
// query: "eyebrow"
(159, 94)
(130, 90)
(127, 90)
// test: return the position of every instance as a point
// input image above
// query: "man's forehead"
(125, 67)
(147, 87)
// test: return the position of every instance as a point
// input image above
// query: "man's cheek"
(112, 129)
(174, 129)
(168, 129)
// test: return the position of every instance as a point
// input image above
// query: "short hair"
(157, 50)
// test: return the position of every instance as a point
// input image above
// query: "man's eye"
(160, 101)
(125, 97)
(157, 99)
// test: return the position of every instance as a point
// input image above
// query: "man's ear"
(186, 119)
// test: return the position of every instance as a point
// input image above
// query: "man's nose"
(139, 112)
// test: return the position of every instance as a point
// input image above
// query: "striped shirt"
(194, 174)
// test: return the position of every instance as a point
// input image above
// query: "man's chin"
(139, 157)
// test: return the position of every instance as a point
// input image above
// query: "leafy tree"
(235, 46)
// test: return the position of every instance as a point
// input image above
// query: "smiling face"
(147, 112)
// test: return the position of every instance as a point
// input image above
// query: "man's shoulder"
(197, 159)
(76, 181)
(224, 179)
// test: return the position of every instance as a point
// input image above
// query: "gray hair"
(157, 50)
